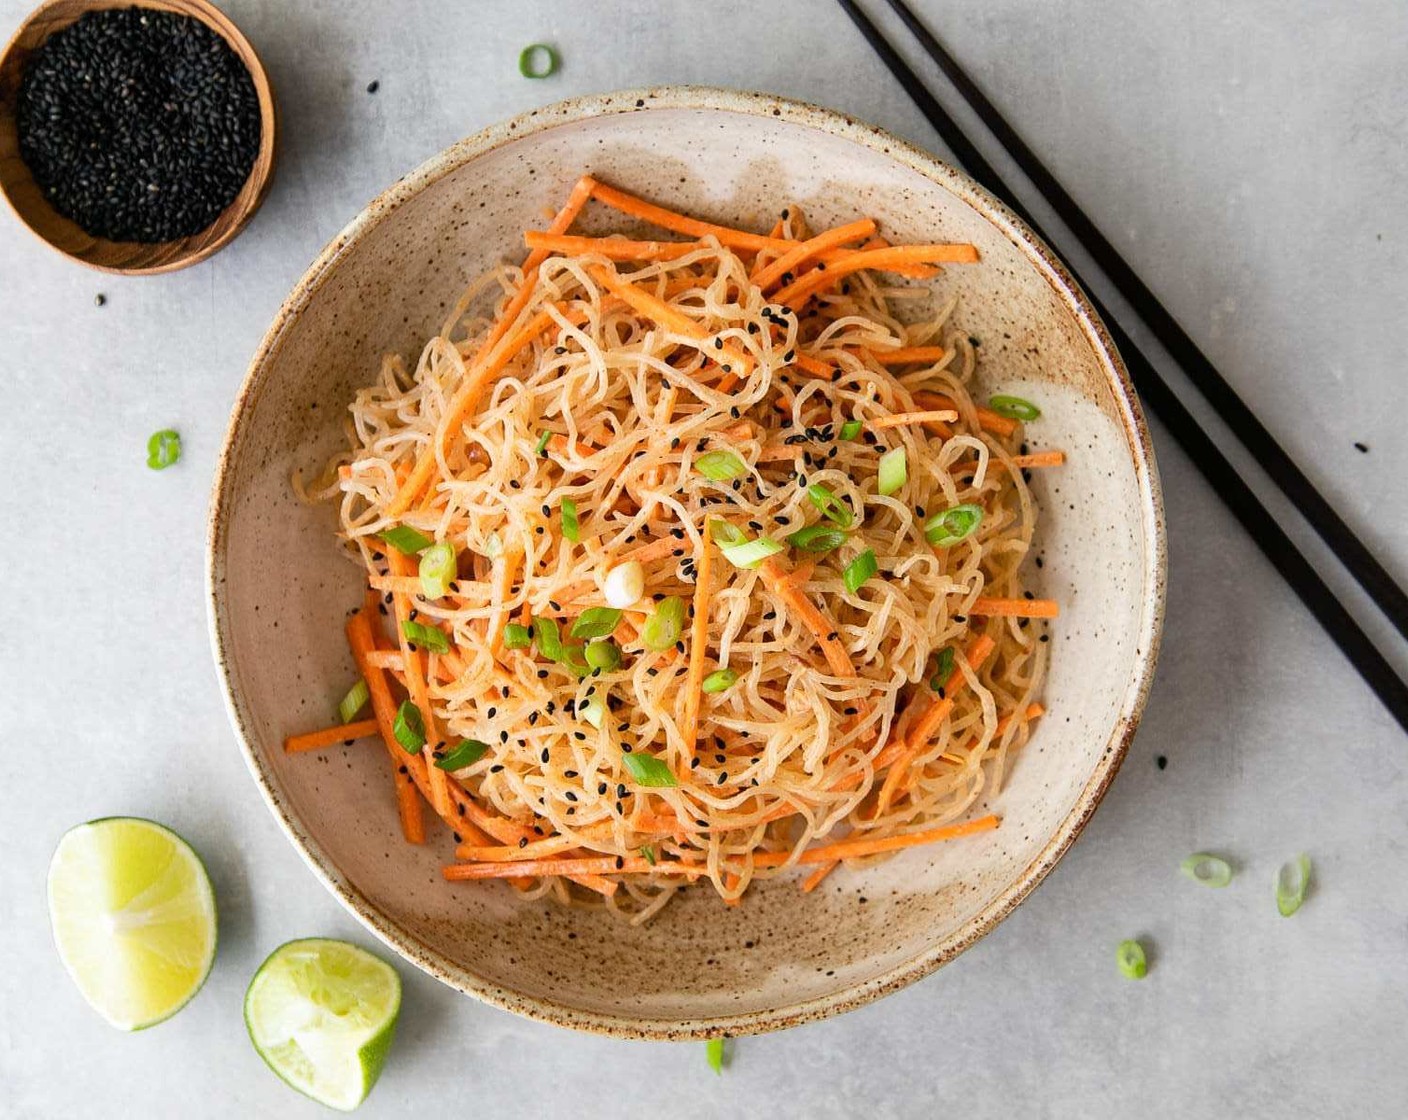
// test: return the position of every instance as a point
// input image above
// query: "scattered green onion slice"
(596, 622)
(430, 638)
(1211, 871)
(517, 636)
(720, 465)
(832, 508)
(529, 66)
(574, 657)
(943, 669)
(437, 569)
(859, 570)
(604, 655)
(355, 700)
(593, 710)
(1132, 961)
(1292, 881)
(714, 1051)
(664, 626)
(816, 538)
(850, 429)
(648, 770)
(720, 680)
(749, 554)
(647, 852)
(406, 540)
(894, 470)
(548, 637)
(571, 528)
(1014, 408)
(952, 525)
(409, 728)
(465, 753)
(163, 449)
(542, 448)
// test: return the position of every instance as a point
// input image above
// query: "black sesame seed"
(1362, 448)
(523, 841)
(1161, 762)
(544, 756)
(100, 299)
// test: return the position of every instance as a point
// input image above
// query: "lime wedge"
(133, 917)
(322, 1015)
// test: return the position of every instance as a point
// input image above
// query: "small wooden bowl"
(129, 258)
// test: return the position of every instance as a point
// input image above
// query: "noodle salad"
(691, 560)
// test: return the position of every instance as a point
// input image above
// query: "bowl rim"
(251, 194)
(1131, 417)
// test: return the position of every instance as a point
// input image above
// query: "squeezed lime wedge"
(133, 917)
(322, 1015)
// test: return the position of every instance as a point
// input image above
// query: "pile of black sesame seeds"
(137, 124)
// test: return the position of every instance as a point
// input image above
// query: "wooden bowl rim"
(251, 195)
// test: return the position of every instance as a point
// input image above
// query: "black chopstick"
(1205, 455)
(1282, 469)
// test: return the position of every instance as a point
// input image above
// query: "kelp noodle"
(606, 406)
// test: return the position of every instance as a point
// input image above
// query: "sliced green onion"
(1211, 871)
(952, 525)
(1132, 961)
(943, 669)
(530, 66)
(720, 465)
(465, 753)
(720, 680)
(665, 624)
(714, 1051)
(648, 770)
(850, 429)
(571, 528)
(430, 638)
(593, 710)
(542, 448)
(355, 700)
(548, 637)
(603, 655)
(832, 508)
(163, 449)
(1292, 881)
(574, 657)
(405, 539)
(816, 538)
(749, 554)
(647, 852)
(437, 569)
(517, 636)
(596, 622)
(409, 728)
(721, 532)
(894, 471)
(859, 570)
(1014, 408)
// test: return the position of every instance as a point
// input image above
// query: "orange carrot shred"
(1015, 608)
(330, 736)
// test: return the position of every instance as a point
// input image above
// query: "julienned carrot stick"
(806, 251)
(612, 248)
(698, 648)
(408, 802)
(823, 629)
(812, 881)
(534, 849)
(387, 659)
(1032, 712)
(661, 312)
(804, 287)
(1015, 608)
(658, 549)
(625, 865)
(598, 883)
(359, 637)
(403, 565)
(900, 419)
(908, 355)
(669, 219)
(988, 420)
(328, 736)
(1040, 459)
(928, 722)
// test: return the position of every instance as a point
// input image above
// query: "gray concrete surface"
(1251, 159)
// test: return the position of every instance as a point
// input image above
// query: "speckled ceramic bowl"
(279, 594)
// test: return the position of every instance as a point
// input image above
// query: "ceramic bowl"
(279, 593)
